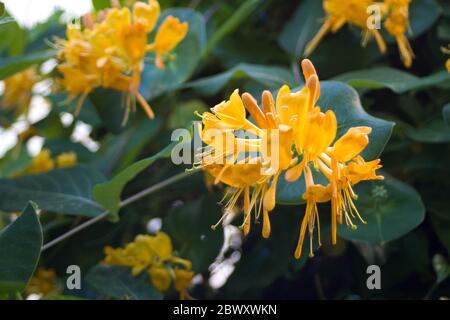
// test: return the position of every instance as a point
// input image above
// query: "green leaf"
(189, 224)
(441, 227)
(422, 15)
(2, 9)
(345, 103)
(239, 16)
(20, 244)
(390, 207)
(108, 193)
(446, 113)
(271, 77)
(15, 64)
(117, 282)
(66, 191)
(156, 81)
(433, 132)
(396, 80)
(15, 161)
(110, 106)
(301, 27)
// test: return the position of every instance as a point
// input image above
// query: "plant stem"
(122, 204)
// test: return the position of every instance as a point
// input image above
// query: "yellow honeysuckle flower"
(43, 282)
(18, 90)
(151, 253)
(397, 24)
(108, 51)
(66, 159)
(301, 126)
(395, 14)
(169, 35)
(41, 163)
(341, 12)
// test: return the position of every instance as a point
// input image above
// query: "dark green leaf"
(301, 27)
(189, 225)
(269, 76)
(396, 80)
(20, 244)
(117, 282)
(446, 114)
(13, 65)
(390, 207)
(433, 132)
(239, 16)
(67, 191)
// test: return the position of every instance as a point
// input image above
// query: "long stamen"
(252, 107)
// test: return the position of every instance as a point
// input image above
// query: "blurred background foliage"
(251, 45)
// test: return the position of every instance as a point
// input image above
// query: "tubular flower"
(18, 90)
(246, 156)
(302, 128)
(109, 51)
(397, 23)
(341, 12)
(154, 254)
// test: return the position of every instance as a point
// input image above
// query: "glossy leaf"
(12, 65)
(20, 244)
(189, 225)
(66, 191)
(270, 77)
(301, 27)
(390, 207)
(396, 80)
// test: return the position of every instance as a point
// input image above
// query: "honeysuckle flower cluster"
(18, 91)
(43, 162)
(108, 51)
(306, 143)
(155, 255)
(394, 13)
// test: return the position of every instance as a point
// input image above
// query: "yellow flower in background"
(18, 90)
(169, 35)
(66, 159)
(154, 254)
(183, 280)
(43, 162)
(397, 24)
(394, 13)
(43, 282)
(108, 51)
(341, 12)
